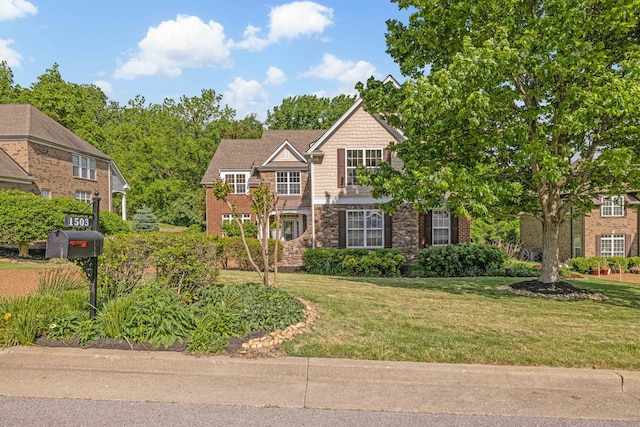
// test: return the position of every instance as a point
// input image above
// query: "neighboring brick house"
(39, 155)
(611, 229)
(315, 172)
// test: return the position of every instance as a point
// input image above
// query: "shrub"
(582, 265)
(462, 259)
(618, 262)
(354, 262)
(231, 229)
(522, 269)
(145, 220)
(233, 252)
(182, 261)
(633, 261)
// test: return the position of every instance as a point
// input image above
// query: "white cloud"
(106, 87)
(186, 42)
(275, 76)
(7, 54)
(244, 96)
(251, 40)
(347, 73)
(11, 9)
(289, 21)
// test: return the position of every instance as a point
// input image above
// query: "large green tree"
(308, 112)
(515, 107)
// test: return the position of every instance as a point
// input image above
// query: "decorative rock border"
(269, 343)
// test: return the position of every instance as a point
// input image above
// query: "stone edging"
(270, 342)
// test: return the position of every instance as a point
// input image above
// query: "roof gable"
(245, 154)
(358, 104)
(11, 170)
(285, 147)
(24, 121)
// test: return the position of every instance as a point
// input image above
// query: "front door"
(290, 228)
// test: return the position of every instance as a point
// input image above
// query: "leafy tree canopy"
(308, 112)
(513, 107)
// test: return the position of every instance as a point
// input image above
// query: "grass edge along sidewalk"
(464, 320)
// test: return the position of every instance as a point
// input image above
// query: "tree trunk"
(550, 252)
(23, 250)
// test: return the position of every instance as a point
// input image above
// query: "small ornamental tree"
(263, 203)
(25, 217)
(144, 220)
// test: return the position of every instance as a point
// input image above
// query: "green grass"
(464, 320)
(27, 265)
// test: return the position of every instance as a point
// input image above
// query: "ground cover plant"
(151, 312)
(465, 320)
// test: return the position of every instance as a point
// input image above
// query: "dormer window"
(84, 167)
(612, 206)
(237, 181)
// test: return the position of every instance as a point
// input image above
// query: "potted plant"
(604, 268)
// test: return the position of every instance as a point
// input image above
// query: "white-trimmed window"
(228, 219)
(84, 167)
(370, 158)
(612, 206)
(288, 182)
(45, 193)
(83, 196)
(577, 245)
(612, 245)
(365, 229)
(237, 181)
(441, 227)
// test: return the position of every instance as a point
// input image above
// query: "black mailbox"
(74, 244)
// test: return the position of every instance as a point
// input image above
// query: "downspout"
(313, 206)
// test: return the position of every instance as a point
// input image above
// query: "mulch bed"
(536, 288)
(234, 347)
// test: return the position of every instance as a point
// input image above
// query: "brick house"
(39, 155)
(611, 229)
(314, 172)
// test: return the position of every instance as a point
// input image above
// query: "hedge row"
(354, 262)
(182, 261)
(589, 265)
(459, 260)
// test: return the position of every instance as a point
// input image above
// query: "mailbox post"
(73, 244)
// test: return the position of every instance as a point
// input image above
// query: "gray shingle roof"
(243, 154)
(24, 121)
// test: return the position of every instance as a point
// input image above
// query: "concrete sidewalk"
(320, 383)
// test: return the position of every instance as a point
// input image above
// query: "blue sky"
(253, 52)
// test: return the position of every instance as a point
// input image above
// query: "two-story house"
(315, 176)
(611, 229)
(39, 155)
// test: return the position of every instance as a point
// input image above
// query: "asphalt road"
(80, 412)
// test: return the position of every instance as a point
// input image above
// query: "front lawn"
(464, 320)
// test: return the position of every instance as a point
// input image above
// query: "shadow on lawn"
(618, 294)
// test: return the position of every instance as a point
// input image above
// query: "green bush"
(354, 262)
(182, 261)
(633, 261)
(234, 254)
(582, 265)
(517, 268)
(462, 259)
(618, 262)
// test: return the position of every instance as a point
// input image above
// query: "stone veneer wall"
(293, 250)
(405, 231)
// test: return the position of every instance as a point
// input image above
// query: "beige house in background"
(611, 229)
(39, 155)
(315, 173)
